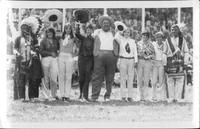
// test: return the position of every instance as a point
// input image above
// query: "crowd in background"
(155, 20)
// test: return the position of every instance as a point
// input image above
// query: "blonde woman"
(127, 61)
(159, 62)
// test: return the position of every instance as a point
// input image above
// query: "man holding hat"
(177, 49)
(145, 54)
(104, 58)
(85, 60)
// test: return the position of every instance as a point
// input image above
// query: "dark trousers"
(85, 65)
(22, 83)
(33, 90)
(104, 67)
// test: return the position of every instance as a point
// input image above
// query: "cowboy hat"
(145, 32)
(159, 34)
(102, 18)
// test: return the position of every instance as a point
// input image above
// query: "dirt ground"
(115, 110)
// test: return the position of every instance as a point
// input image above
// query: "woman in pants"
(127, 61)
(158, 80)
(85, 60)
(65, 62)
(49, 51)
(145, 55)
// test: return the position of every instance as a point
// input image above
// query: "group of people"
(100, 52)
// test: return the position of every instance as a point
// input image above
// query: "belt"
(126, 57)
(65, 54)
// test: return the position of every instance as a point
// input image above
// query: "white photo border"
(101, 4)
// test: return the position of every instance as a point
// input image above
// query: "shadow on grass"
(110, 103)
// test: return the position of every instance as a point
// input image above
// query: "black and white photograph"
(101, 64)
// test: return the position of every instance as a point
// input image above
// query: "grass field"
(115, 110)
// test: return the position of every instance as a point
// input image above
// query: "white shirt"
(106, 39)
(125, 42)
(160, 52)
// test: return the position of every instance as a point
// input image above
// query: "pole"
(105, 12)
(143, 19)
(64, 17)
(179, 15)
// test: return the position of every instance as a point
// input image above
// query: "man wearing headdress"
(178, 50)
(22, 51)
(28, 65)
(104, 58)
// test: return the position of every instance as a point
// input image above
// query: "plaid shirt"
(145, 50)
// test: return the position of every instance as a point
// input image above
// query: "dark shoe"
(56, 98)
(129, 99)
(142, 100)
(93, 100)
(80, 97)
(67, 99)
(174, 101)
(124, 99)
(63, 98)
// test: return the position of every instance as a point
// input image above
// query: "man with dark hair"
(22, 50)
(49, 47)
(178, 52)
(85, 60)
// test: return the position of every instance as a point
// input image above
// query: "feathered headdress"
(34, 22)
(53, 15)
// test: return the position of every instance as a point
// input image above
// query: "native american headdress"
(34, 22)
(53, 15)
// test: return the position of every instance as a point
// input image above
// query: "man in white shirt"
(178, 48)
(104, 59)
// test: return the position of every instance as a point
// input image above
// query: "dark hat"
(175, 26)
(110, 19)
(89, 26)
(145, 32)
(81, 16)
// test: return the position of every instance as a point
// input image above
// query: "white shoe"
(180, 100)
(169, 100)
(154, 100)
(52, 99)
(85, 100)
(106, 99)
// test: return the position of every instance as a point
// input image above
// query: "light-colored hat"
(119, 23)
(102, 18)
(34, 22)
(159, 34)
(53, 15)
